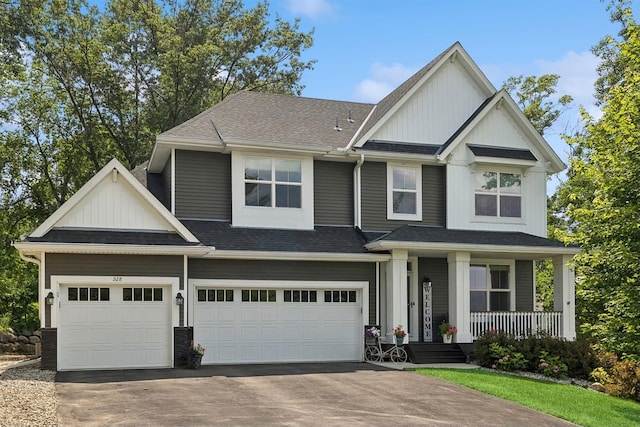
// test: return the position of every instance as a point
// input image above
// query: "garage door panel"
(114, 333)
(275, 331)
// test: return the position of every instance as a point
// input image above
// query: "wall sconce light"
(179, 299)
(49, 299)
(426, 282)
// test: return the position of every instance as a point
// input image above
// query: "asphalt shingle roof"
(505, 153)
(322, 239)
(398, 147)
(61, 235)
(419, 233)
(278, 119)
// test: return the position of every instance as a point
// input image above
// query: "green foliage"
(80, 86)
(551, 366)
(506, 358)
(578, 356)
(619, 377)
(601, 200)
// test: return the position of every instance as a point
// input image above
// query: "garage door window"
(294, 295)
(215, 295)
(142, 294)
(259, 295)
(340, 296)
(88, 294)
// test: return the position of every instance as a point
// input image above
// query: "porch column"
(396, 303)
(564, 295)
(459, 298)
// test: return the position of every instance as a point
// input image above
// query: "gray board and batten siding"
(113, 265)
(236, 269)
(374, 197)
(524, 286)
(333, 193)
(203, 185)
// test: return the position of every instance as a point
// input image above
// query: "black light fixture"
(179, 299)
(426, 282)
(49, 299)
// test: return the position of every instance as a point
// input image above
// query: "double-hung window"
(404, 192)
(273, 182)
(498, 194)
(490, 287)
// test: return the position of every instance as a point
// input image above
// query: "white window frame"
(417, 216)
(497, 194)
(273, 182)
(271, 217)
(512, 281)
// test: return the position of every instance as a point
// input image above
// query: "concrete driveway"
(350, 394)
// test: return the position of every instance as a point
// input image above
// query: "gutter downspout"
(357, 209)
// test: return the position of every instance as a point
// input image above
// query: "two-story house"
(273, 228)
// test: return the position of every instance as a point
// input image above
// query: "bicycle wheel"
(398, 355)
(372, 354)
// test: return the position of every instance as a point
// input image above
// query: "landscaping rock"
(597, 387)
(37, 333)
(34, 339)
(23, 339)
(26, 332)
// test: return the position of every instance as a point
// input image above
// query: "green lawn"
(580, 406)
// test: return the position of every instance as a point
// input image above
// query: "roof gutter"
(98, 248)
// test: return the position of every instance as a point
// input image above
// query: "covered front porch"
(477, 287)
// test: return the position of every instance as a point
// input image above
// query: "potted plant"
(371, 334)
(194, 356)
(399, 333)
(447, 331)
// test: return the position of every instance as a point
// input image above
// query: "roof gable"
(500, 119)
(453, 66)
(113, 200)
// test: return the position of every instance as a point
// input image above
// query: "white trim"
(357, 192)
(363, 286)
(354, 138)
(173, 181)
(391, 215)
(185, 292)
(86, 189)
(297, 256)
(556, 164)
(457, 53)
(468, 247)
(488, 262)
(42, 280)
(91, 248)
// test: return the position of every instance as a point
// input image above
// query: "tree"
(602, 196)
(87, 85)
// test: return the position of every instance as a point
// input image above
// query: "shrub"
(551, 366)
(620, 377)
(578, 356)
(507, 358)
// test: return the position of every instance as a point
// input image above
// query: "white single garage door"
(113, 327)
(256, 325)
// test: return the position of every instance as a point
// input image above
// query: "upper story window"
(404, 192)
(498, 194)
(273, 182)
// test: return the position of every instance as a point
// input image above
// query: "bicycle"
(374, 352)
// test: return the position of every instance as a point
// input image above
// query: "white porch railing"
(518, 323)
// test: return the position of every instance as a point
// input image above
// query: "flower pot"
(194, 361)
(447, 339)
(399, 340)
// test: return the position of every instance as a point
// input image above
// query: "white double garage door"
(276, 321)
(104, 325)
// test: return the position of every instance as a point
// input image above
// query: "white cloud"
(313, 9)
(382, 80)
(577, 73)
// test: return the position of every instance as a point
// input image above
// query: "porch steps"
(434, 352)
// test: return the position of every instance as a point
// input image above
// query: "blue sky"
(364, 49)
